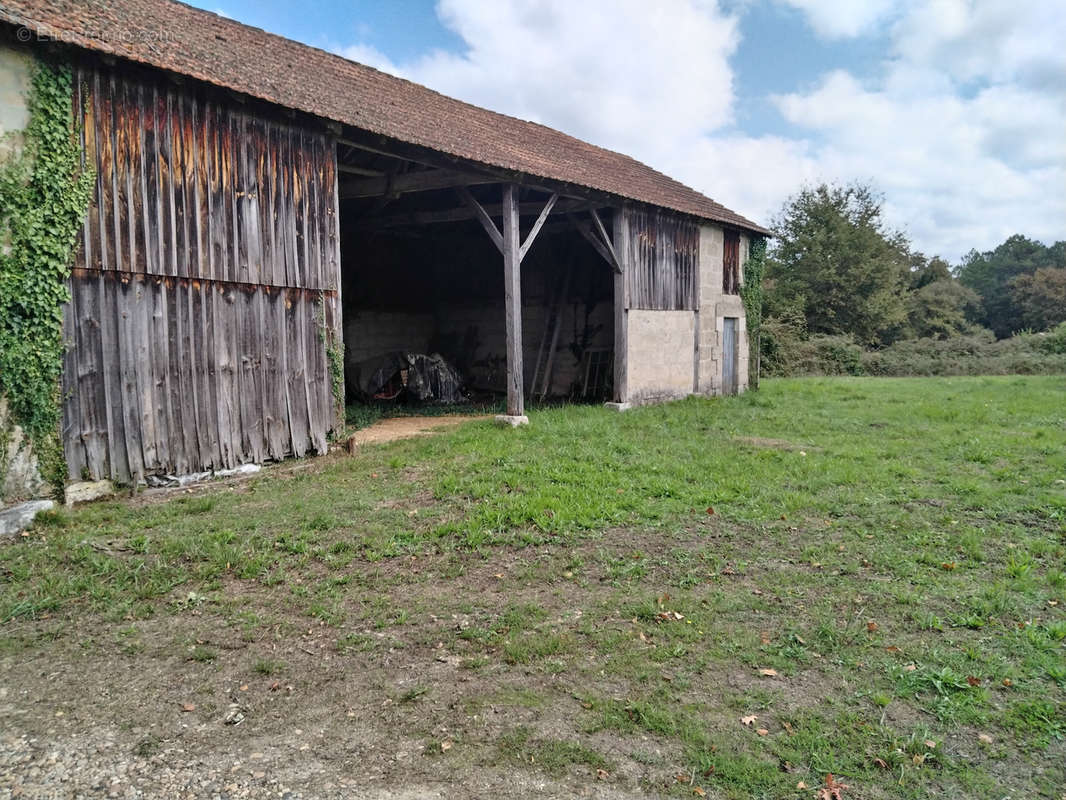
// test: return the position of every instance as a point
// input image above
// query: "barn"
(267, 217)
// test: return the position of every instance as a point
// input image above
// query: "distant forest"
(843, 293)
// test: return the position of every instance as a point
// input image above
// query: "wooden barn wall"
(664, 262)
(207, 275)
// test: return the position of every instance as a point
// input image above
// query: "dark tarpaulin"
(417, 376)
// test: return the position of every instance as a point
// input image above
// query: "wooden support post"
(512, 283)
(621, 308)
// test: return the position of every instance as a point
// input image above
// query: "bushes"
(788, 352)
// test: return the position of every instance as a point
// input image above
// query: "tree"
(835, 260)
(1040, 298)
(990, 275)
(938, 306)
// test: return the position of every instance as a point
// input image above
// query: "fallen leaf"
(930, 744)
(973, 681)
(948, 566)
(984, 738)
(881, 763)
(275, 686)
(445, 746)
(1008, 682)
(664, 599)
(757, 591)
(832, 790)
(788, 728)
(729, 571)
(244, 687)
(918, 758)
(891, 649)
(871, 626)
(748, 720)
(710, 511)
(602, 774)
(769, 673)
(696, 790)
(800, 639)
(188, 706)
(764, 637)
(910, 668)
(762, 731)
(801, 785)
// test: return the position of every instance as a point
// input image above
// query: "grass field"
(728, 597)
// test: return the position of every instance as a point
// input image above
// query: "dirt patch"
(388, 430)
(776, 444)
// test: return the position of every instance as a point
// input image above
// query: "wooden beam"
(621, 307)
(367, 173)
(512, 283)
(483, 217)
(606, 239)
(465, 212)
(536, 227)
(421, 181)
(584, 227)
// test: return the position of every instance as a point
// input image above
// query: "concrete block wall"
(373, 333)
(486, 367)
(661, 353)
(714, 308)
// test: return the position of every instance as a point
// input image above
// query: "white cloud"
(962, 127)
(628, 74)
(837, 19)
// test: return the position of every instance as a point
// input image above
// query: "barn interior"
(422, 276)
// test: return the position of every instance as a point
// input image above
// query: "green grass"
(892, 548)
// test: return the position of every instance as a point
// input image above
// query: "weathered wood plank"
(621, 307)
(512, 283)
(483, 217)
(532, 235)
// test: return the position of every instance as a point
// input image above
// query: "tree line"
(835, 268)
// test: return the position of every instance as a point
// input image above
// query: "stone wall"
(16, 65)
(19, 477)
(373, 333)
(475, 337)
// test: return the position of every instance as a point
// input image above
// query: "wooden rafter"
(421, 181)
(465, 212)
(532, 235)
(483, 217)
(584, 227)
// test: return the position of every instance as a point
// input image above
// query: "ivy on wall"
(45, 191)
(751, 295)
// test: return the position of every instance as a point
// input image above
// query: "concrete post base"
(618, 406)
(514, 422)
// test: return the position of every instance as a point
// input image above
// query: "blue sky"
(954, 109)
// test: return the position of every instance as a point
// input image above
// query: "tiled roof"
(220, 51)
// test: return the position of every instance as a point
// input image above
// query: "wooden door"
(729, 356)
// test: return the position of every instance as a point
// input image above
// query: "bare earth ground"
(388, 430)
(122, 710)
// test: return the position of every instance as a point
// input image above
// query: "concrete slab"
(618, 406)
(87, 490)
(16, 519)
(514, 422)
